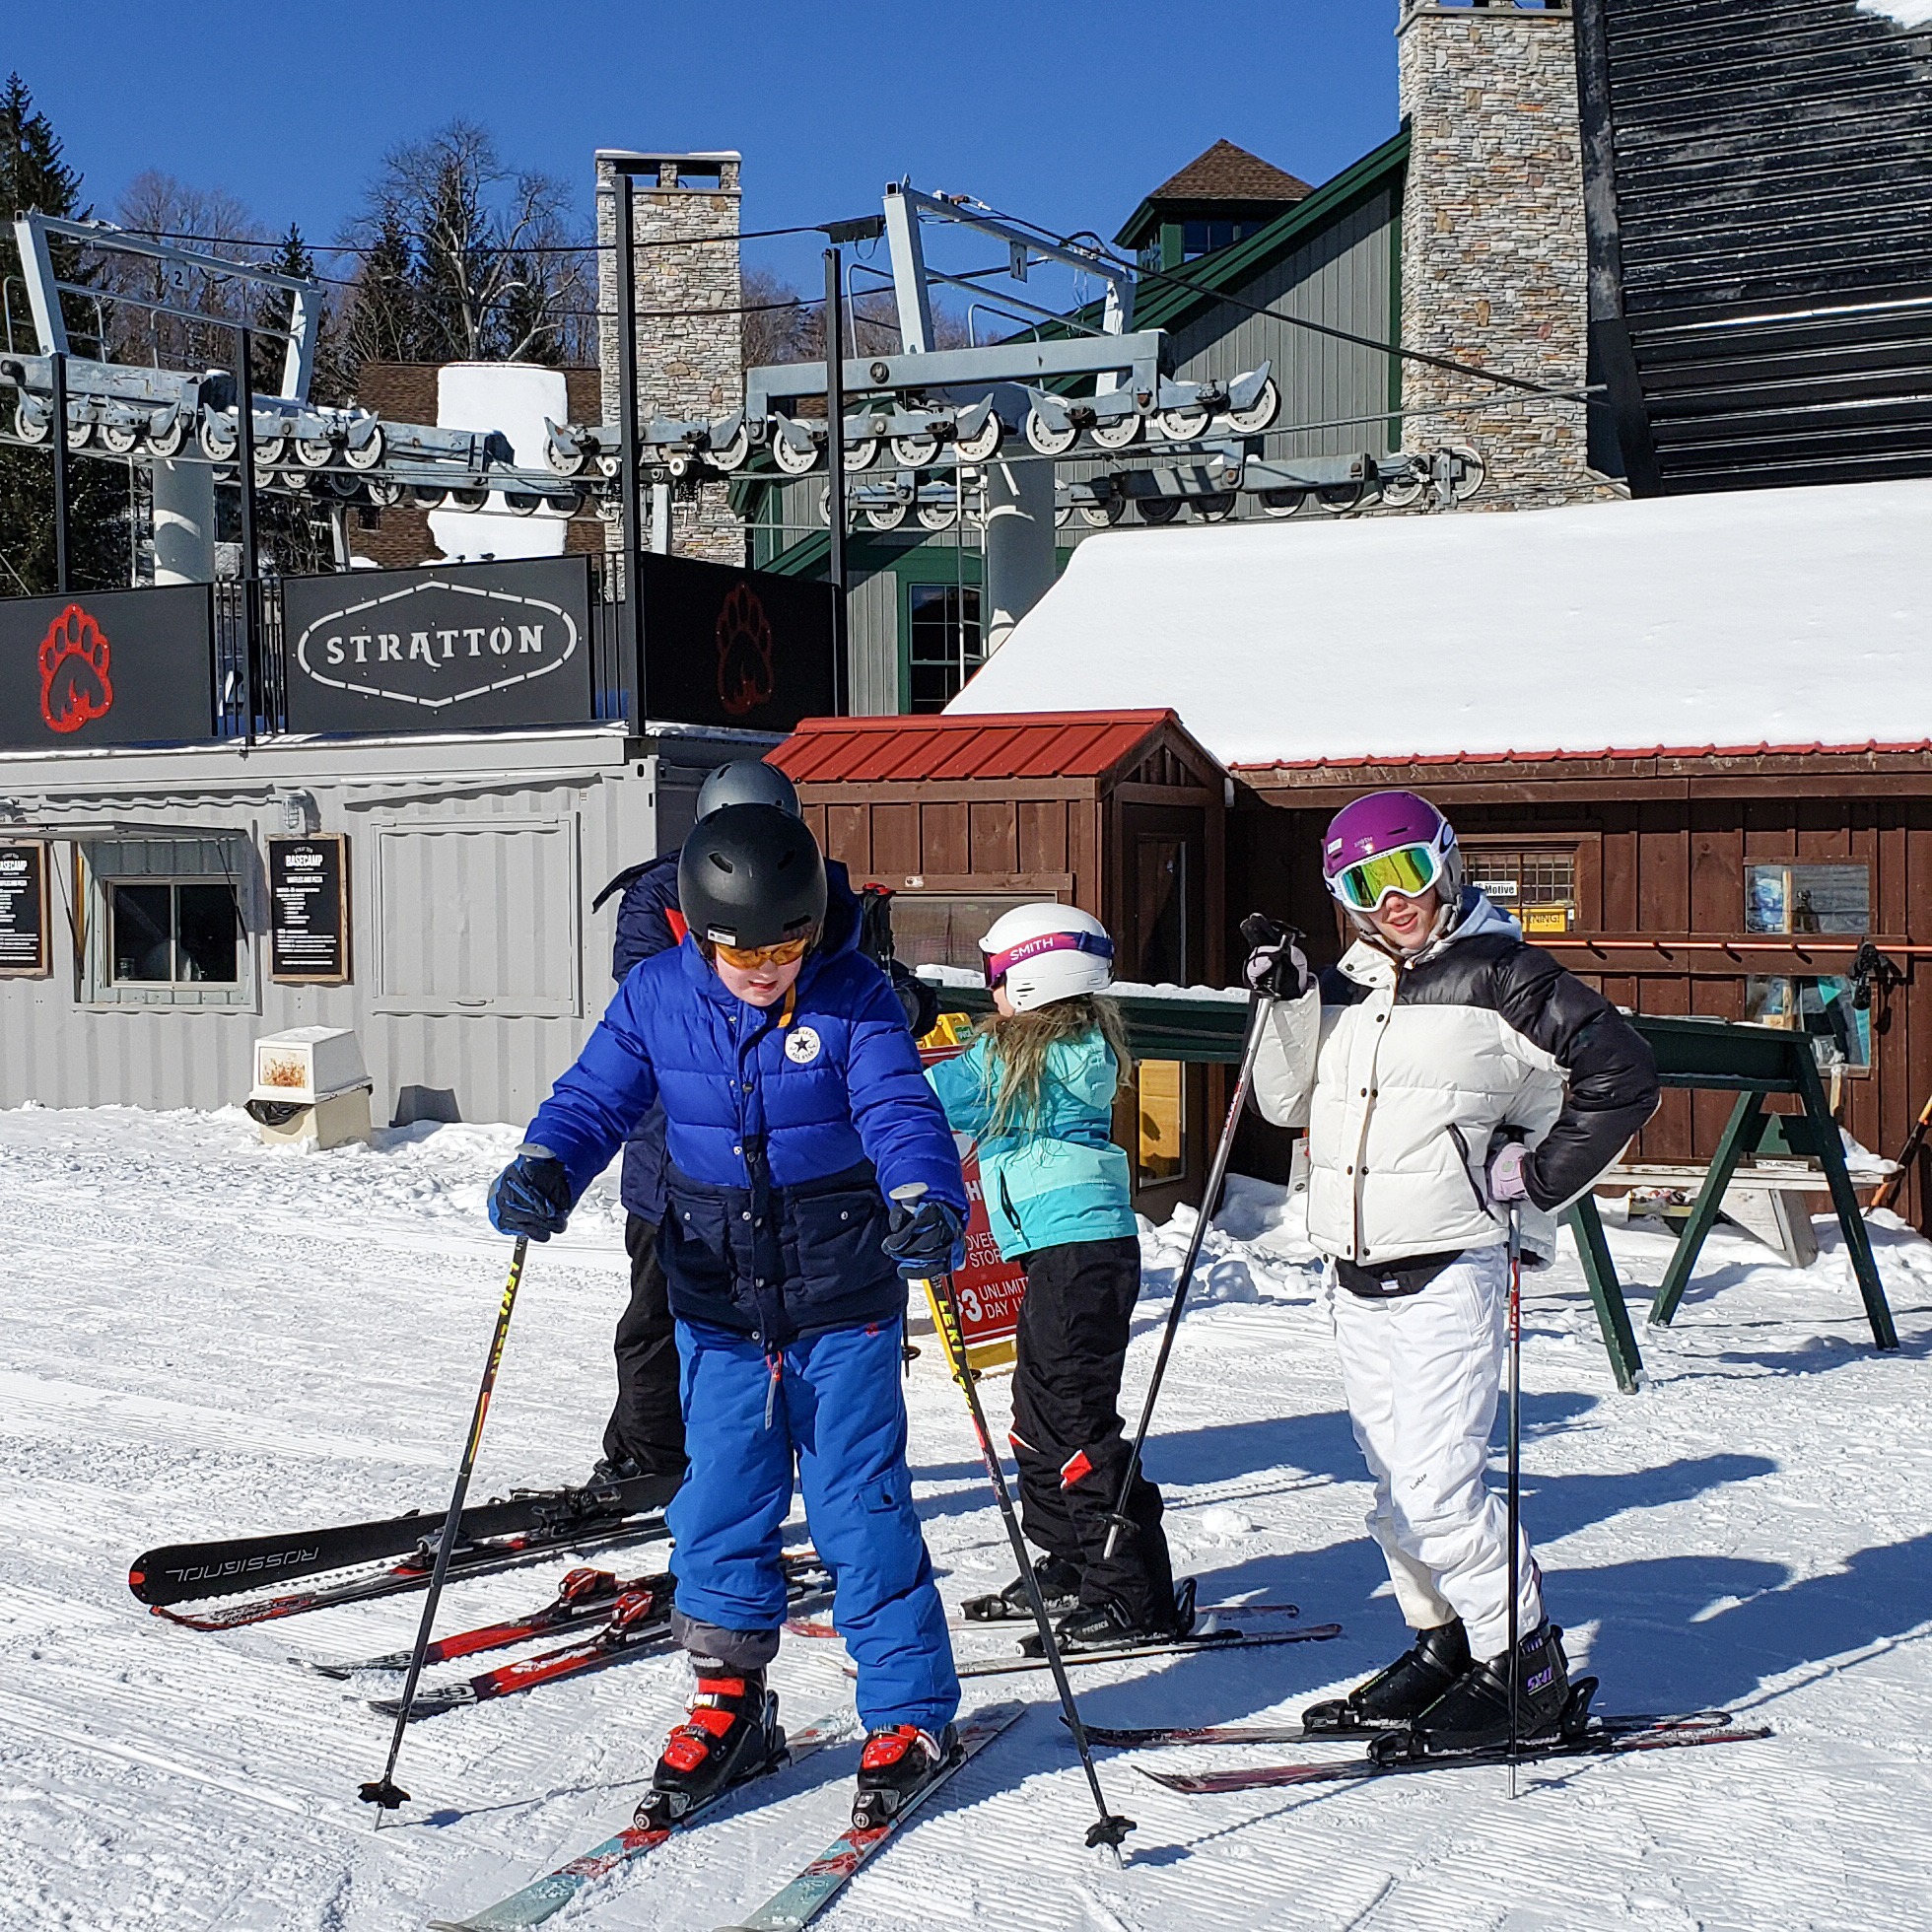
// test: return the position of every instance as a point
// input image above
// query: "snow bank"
(1777, 617)
(1907, 13)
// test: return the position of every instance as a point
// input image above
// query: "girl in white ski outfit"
(1443, 1068)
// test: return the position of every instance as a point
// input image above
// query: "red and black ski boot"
(732, 1734)
(898, 1763)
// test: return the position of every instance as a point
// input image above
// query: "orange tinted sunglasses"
(745, 958)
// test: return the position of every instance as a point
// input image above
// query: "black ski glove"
(918, 999)
(1276, 965)
(531, 1196)
(925, 1240)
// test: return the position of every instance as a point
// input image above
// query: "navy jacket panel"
(644, 930)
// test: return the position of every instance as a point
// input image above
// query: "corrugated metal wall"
(1759, 196)
(479, 969)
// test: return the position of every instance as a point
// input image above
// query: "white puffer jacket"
(1407, 1073)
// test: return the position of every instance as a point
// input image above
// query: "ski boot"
(1112, 1627)
(1403, 1691)
(732, 1734)
(1472, 1714)
(898, 1763)
(1059, 1586)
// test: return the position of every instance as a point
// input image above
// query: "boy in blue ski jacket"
(793, 1103)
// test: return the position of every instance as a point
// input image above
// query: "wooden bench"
(1773, 1190)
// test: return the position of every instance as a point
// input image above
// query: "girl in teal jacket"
(1036, 1091)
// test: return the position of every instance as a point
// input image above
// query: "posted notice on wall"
(308, 909)
(25, 941)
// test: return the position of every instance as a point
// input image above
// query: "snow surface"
(1780, 617)
(205, 1335)
(1907, 13)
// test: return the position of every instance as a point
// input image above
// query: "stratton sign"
(446, 649)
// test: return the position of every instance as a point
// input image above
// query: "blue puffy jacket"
(648, 923)
(780, 1135)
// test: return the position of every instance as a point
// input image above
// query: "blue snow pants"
(833, 1399)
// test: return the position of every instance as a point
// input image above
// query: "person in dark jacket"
(794, 1104)
(1449, 1076)
(645, 1435)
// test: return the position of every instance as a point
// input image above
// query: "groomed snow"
(202, 1336)
(1769, 617)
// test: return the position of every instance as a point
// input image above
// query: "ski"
(227, 1565)
(1156, 1735)
(413, 1574)
(1206, 1641)
(585, 1596)
(638, 1620)
(797, 1904)
(1611, 1737)
(544, 1896)
(1204, 1616)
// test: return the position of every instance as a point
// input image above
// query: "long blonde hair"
(1018, 1043)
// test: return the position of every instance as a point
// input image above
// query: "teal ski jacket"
(1057, 1178)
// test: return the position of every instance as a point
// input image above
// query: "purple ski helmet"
(1390, 841)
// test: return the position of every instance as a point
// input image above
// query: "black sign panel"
(108, 667)
(308, 909)
(735, 647)
(450, 649)
(26, 948)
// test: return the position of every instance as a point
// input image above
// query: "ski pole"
(385, 1791)
(1902, 1169)
(1515, 1465)
(1111, 1828)
(1119, 1523)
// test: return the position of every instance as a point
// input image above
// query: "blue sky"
(1065, 113)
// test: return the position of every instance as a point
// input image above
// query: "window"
(182, 933)
(1537, 884)
(1160, 1087)
(167, 926)
(945, 643)
(944, 928)
(1785, 897)
(1204, 238)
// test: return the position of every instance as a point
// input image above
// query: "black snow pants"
(1067, 1435)
(648, 1423)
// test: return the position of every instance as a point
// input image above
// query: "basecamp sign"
(26, 937)
(308, 909)
(108, 667)
(735, 647)
(447, 649)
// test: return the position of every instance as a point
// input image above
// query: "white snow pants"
(1423, 1375)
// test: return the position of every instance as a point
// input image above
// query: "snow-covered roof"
(1759, 620)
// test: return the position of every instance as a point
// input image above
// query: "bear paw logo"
(74, 681)
(744, 652)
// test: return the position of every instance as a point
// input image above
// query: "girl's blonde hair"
(1018, 1045)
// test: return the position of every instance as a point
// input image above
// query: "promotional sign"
(308, 909)
(108, 667)
(453, 648)
(26, 938)
(735, 647)
(989, 1290)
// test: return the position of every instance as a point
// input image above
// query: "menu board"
(26, 942)
(308, 909)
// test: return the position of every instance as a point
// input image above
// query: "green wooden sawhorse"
(1751, 1062)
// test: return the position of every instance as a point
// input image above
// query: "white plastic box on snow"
(310, 1085)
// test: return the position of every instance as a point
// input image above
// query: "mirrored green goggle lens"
(1409, 869)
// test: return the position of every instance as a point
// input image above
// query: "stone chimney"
(690, 363)
(1494, 252)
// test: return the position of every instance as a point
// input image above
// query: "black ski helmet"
(746, 782)
(751, 875)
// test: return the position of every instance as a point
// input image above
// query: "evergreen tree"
(33, 176)
(382, 322)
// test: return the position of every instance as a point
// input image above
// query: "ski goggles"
(1410, 869)
(745, 958)
(999, 964)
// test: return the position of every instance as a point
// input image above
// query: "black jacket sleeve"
(1611, 1071)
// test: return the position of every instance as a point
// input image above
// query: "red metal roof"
(1627, 752)
(987, 745)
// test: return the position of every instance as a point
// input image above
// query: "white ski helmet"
(1047, 953)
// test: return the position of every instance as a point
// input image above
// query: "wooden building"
(1121, 813)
